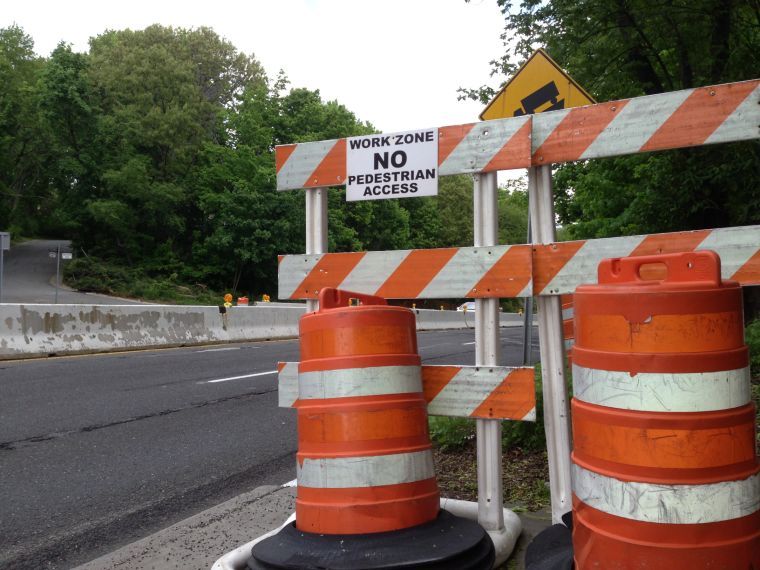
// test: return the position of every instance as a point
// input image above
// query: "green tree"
(628, 48)
(26, 200)
(131, 119)
(513, 212)
(244, 222)
(455, 204)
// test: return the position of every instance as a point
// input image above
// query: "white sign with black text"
(397, 165)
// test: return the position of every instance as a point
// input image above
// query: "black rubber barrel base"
(447, 543)
(552, 548)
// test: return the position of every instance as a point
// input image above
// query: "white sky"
(395, 63)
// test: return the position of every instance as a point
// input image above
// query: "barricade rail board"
(678, 119)
(505, 271)
(474, 272)
(489, 392)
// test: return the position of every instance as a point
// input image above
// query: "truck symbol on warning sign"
(546, 94)
(540, 85)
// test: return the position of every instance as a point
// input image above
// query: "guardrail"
(31, 331)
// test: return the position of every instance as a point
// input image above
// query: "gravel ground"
(525, 476)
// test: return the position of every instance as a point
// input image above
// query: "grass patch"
(524, 476)
(451, 434)
(98, 276)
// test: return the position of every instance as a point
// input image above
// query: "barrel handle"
(687, 267)
(330, 298)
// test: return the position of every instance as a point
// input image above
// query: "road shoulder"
(198, 541)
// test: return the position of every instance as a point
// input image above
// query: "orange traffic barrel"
(242, 301)
(365, 462)
(367, 495)
(665, 472)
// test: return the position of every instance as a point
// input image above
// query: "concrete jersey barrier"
(28, 331)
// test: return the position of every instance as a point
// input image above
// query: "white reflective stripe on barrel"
(287, 384)
(372, 471)
(663, 392)
(669, 504)
(353, 382)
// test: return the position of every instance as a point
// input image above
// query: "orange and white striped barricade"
(686, 118)
(485, 392)
(364, 463)
(505, 270)
(665, 474)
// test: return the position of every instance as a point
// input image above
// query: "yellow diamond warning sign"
(539, 85)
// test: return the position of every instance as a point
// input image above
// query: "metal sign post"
(487, 347)
(528, 316)
(316, 229)
(556, 415)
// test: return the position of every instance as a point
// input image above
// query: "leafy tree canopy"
(154, 152)
(626, 48)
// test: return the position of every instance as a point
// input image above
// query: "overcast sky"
(395, 63)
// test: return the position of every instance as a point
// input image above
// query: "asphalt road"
(99, 451)
(30, 277)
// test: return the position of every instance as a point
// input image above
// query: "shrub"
(451, 434)
(752, 338)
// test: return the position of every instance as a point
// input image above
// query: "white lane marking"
(217, 349)
(238, 377)
(467, 343)
(293, 483)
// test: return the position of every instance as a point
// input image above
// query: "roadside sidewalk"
(197, 542)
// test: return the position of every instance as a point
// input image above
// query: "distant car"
(469, 306)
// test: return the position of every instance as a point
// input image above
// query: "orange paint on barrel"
(334, 511)
(659, 489)
(364, 456)
(634, 544)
